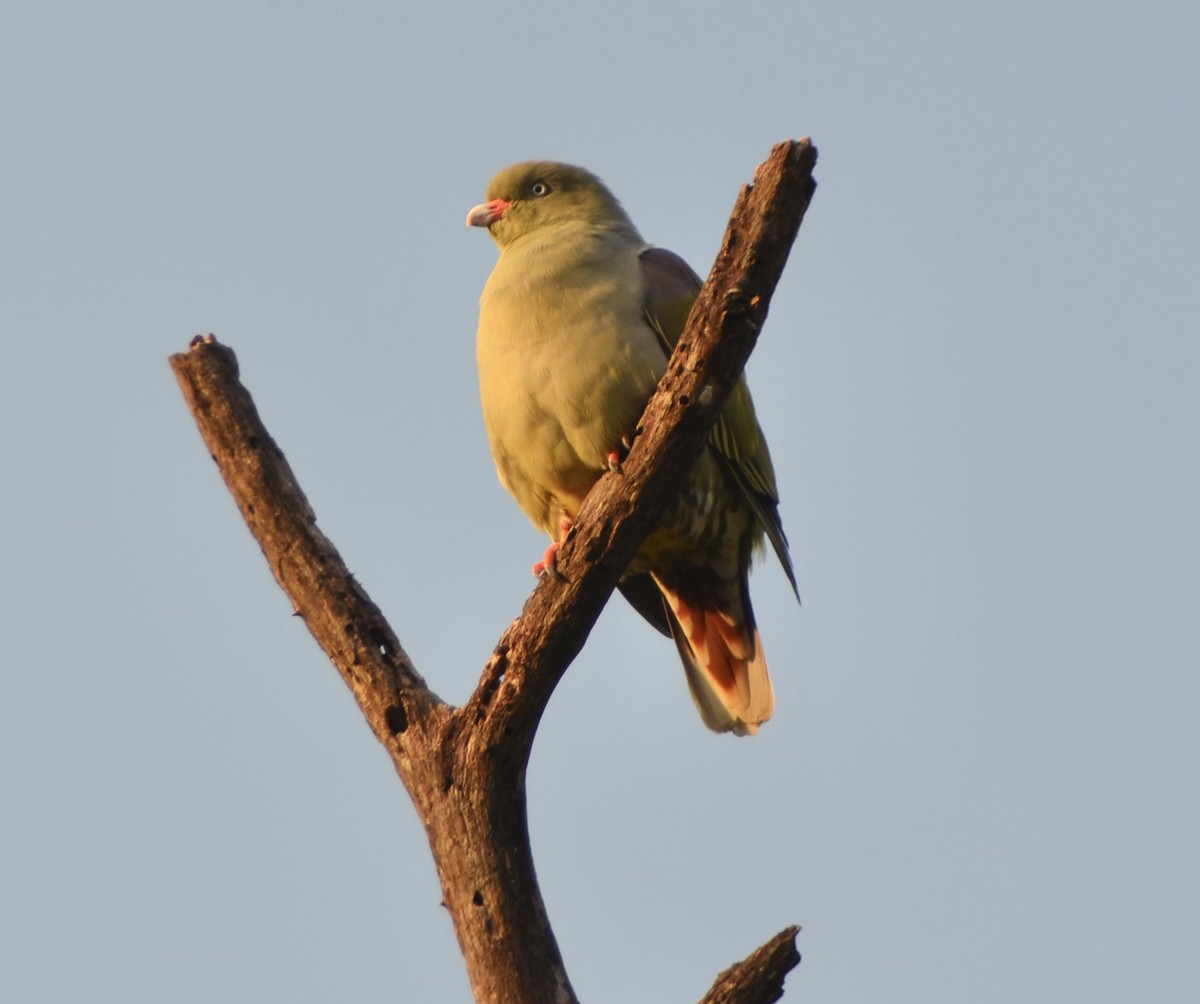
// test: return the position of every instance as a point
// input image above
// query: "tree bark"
(464, 768)
(758, 979)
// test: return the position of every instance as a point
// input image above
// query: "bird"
(576, 323)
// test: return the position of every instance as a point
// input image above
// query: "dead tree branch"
(758, 979)
(464, 768)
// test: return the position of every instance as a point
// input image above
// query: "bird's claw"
(616, 457)
(548, 563)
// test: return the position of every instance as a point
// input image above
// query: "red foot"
(617, 456)
(550, 558)
(548, 561)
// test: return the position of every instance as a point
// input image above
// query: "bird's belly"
(553, 418)
(556, 407)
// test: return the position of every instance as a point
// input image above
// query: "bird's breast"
(566, 365)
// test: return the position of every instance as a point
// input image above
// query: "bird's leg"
(617, 457)
(548, 564)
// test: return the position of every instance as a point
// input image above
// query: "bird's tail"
(713, 627)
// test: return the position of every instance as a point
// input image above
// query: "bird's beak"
(486, 213)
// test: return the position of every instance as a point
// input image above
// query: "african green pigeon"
(575, 326)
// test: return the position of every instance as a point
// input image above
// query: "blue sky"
(979, 381)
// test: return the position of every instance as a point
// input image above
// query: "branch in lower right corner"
(758, 979)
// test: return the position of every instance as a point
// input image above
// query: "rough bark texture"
(464, 768)
(758, 979)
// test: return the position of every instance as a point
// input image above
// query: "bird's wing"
(671, 287)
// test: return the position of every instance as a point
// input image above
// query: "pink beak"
(487, 213)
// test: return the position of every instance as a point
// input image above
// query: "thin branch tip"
(758, 978)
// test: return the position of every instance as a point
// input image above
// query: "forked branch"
(464, 768)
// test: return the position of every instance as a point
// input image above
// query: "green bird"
(576, 323)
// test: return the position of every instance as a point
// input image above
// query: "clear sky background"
(979, 380)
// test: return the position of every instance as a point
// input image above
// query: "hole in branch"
(396, 718)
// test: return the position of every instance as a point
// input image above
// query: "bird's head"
(539, 193)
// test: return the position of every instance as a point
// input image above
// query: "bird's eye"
(539, 189)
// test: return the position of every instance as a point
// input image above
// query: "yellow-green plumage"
(575, 326)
